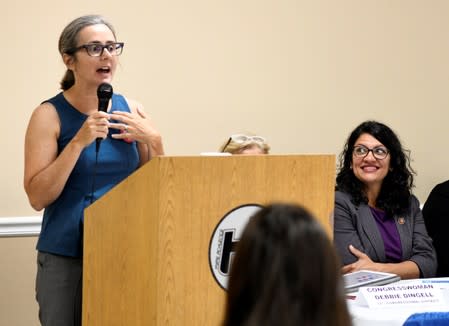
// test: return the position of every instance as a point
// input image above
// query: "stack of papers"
(353, 281)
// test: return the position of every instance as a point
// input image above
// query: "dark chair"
(436, 218)
(428, 319)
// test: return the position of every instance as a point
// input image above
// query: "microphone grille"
(104, 91)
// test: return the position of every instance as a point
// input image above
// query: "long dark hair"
(396, 188)
(285, 272)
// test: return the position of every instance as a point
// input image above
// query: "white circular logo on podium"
(225, 237)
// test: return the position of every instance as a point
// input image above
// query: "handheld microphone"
(104, 94)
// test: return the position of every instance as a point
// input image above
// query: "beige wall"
(302, 73)
(17, 276)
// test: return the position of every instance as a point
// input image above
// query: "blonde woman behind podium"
(245, 145)
(285, 272)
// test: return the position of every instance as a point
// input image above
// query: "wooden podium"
(146, 242)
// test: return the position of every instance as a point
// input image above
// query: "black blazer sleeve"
(436, 218)
(422, 250)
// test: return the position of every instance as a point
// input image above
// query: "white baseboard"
(24, 226)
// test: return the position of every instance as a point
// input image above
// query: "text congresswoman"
(400, 288)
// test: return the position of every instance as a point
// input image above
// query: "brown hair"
(69, 40)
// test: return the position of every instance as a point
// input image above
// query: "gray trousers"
(59, 289)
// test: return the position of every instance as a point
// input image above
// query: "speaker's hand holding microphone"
(96, 126)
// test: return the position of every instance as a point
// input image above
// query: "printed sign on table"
(405, 294)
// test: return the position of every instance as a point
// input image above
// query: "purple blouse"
(390, 235)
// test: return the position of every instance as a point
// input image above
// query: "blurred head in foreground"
(285, 272)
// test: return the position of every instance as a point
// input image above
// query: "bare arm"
(46, 172)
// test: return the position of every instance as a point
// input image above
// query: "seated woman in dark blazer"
(436, 217)
(378, 224)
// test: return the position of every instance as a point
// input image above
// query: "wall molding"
(22, 226)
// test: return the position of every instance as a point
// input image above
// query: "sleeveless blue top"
(62, 224)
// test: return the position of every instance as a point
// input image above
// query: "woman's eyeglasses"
(240, 139)
(96, 49)
(244, 139)
(379, 152)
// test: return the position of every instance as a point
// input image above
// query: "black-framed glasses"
(96, 49)
(242, 139)
(379, 152)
